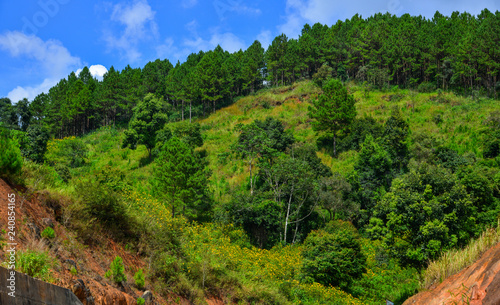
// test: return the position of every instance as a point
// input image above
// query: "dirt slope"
(475, 285)
(33, 214)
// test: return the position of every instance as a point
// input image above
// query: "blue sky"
(42, 41)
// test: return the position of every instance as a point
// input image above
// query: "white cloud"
(138, 19)
(30, 92)
(50, 55)
(50, 59)
(96, 71)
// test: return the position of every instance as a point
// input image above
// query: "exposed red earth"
(478, 284)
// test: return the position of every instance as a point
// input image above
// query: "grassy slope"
(460, 128)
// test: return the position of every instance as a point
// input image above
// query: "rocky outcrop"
(30, 291)
(478, 284)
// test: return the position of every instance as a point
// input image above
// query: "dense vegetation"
(338, 190)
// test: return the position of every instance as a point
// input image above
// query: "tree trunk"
(287, 216)
(190, 112)
(182, 110)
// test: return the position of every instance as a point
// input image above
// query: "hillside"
(194, 260)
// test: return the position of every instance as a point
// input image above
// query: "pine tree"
(333, 111)
(181, 176)
(148, 119)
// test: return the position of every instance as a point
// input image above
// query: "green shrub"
(333, 256)
(139, 279)
(63, 172)
(116, 271)
(37, 137)
(34, 263)
(426, 87)
(73, 271)
(10, 158)
(41, 176)
(140, 301)
(48, 233)
(100, 202)
(69, 151)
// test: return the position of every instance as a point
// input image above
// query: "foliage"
(384, 279)
(63, 172)
(395, 139)
(261, 140)
(357, 133)
(37, 138)
(116, 271)
(10, 158)
(34, 263)
(448, 219)
(324, 74)
(333, 111)
(333, 256)
(148, 119)
(99, 201)
(182, 178)
(139, 279)
(372, 174)
(333, 197)
(70, 151)
(48, 233)
(140, 301)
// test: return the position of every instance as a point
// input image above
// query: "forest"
(329, 169)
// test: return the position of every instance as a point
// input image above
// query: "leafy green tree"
(188, 133)
(261, 139)
(258, 215)
(323, 75)
(333, 197)
(8, 115)
(395, 139)
(37, 138)
(148, 119)
(10, 156)
(211, 77)
(333, 111)
(252, 65)
(356, 134)
(293, 186)
(372, 176)
(426, 211)
(181, 177)
(333, 256)
(307, 152)
(24, 113)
